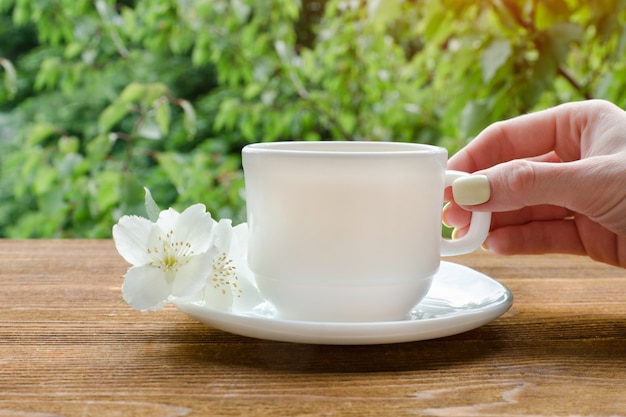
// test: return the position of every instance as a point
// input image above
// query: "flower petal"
(239, 246)
(131, 235)
(167, 219)
(194, 226)
(191, 277)
(220, 298)
(145, 288)
(154, 243)
(248, 295)
(222, 235)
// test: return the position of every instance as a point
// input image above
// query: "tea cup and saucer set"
(345, 248)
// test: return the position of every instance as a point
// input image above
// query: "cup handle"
(478, 230)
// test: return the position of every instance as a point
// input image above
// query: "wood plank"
(68, 347)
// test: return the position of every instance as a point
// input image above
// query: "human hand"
(557, 179)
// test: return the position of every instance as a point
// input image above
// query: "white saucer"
(459, 300)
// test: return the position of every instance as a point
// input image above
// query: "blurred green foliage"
(101, 98)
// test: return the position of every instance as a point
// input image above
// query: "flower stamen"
(224, 275)
(170, 256)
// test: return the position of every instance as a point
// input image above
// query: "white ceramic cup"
(349, 231)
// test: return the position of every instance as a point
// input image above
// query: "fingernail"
(471, 190)
(443, 216)
(454, 234)
(485, 246)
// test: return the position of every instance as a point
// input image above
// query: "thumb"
(586, 186)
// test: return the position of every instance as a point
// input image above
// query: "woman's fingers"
(594, 187)
(457, 217)
(568, 132)
(555, 236)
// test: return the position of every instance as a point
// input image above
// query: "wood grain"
(68, 347)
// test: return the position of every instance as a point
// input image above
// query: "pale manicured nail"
(443, 215)
(471, 190)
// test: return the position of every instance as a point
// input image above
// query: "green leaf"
(99, 147)
(549, 11)
(506, 15)
(561, 36)
(201, 52)
(474, 118)
(163, 116)
(348, 122)
(40, 132)
(48, 73)
(108, 189)
(545, 68)
(241, 9)
(154, 92)
(152, 209)
(72, 50)
(132, 93)
(111, 116)
(171, 164)
(228, 113)
(621, 43)
(532, 91)
(434, 30)
(10, 78)
(44, 178)
(383, 12)
(69, 144)
(494, 57)
(190, 118)
(252, 91)
(149, 129)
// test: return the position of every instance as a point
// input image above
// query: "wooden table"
(68, 347)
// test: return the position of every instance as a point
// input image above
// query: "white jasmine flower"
(248, 295)
(229, 282)
(171, 257)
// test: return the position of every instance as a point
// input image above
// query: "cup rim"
(344, 148)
